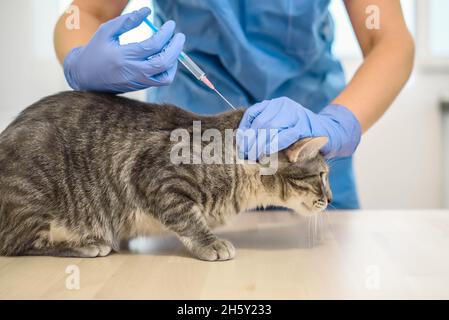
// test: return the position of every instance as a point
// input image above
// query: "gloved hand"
(105, 65)
(295, 122)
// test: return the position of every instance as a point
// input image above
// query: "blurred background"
(402, 163)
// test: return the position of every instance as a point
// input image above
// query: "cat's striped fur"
(82, 172)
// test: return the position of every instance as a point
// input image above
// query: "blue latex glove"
(105, 65)
(294, 122)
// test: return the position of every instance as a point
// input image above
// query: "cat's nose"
(329, 199)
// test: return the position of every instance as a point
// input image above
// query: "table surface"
(340, 255)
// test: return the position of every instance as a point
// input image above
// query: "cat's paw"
(218, 250)
(93, 251)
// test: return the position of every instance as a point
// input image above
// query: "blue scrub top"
(254, 50)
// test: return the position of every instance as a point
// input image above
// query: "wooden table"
(362, 254)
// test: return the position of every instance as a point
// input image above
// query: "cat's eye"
(323, 176)
(298, 181)
(309, 176)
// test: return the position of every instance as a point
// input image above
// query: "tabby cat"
(82, 172)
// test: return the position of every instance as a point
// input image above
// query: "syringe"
(193, 67)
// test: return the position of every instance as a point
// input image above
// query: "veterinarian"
(274, 56)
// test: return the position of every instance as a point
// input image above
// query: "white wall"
(399, 163)
(29, 69)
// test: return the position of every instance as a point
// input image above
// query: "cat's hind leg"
(69, 249)
(31, 234)
(62, 242)
(28, 227)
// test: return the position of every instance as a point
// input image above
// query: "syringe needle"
(226, 100)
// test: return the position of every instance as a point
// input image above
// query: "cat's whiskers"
(329, 227)
(313, 229)
(309, 231)
(321, 226)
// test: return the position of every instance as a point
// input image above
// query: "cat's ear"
(305, 149)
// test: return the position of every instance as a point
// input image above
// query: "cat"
(81, 173)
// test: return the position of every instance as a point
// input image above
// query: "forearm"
(65, 39)
(388, 61)
(92, 15)
(378, 80)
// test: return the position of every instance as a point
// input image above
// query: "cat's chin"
(306, 210)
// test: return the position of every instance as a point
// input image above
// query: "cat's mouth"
(317, 206)
(320, 204)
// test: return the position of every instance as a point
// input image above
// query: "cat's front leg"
(185, 219)
(217, 249)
